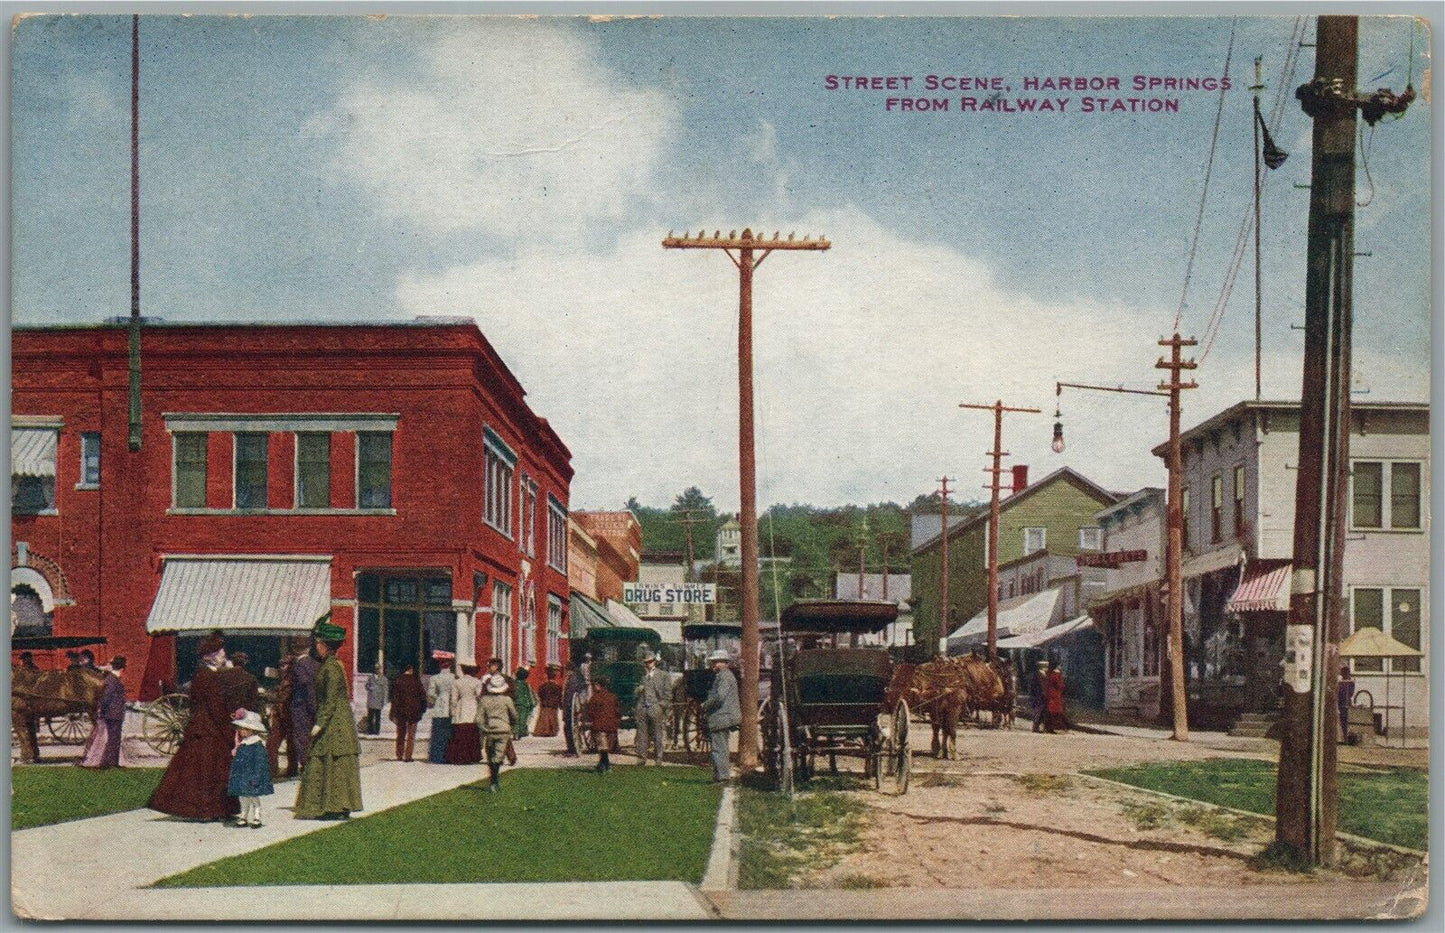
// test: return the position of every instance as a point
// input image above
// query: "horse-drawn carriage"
(62, 698)
(831, 698)
(617, 658)
(699, 641)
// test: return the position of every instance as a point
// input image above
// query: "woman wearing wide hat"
(331, 783)
(194, 785)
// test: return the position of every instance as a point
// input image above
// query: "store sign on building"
(688, 594)
(1111, 559)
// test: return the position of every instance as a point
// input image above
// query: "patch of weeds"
(1377, 863)
(1044, 783)
(1147, 814)
(1281, 856)
(1217, 824)
(784, 839)
(859, 881)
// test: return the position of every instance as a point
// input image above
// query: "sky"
(523, 172)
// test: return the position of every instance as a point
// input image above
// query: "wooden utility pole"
(1174, 547)
(943, 571)
(746, 246)
(998, 408)
(1258, 283)
(133, 434)
(1306, 793)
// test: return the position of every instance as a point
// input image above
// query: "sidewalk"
(98, 868)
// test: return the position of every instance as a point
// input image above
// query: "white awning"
(281, 593)
(1016, 616)
(669, 629)
(32, 451)
(1045, 636)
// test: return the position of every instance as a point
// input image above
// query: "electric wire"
(1208, 171)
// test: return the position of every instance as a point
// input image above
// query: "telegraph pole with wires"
(133, 431)
(1306, 793)
(689, 518)
(751, 251)
(998, 453)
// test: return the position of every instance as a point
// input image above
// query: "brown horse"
(935, 689)
(38, 694)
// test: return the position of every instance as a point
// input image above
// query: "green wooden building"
(1054, 514)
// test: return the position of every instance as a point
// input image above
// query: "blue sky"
(523, 172)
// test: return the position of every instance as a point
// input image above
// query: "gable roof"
(1062, 474)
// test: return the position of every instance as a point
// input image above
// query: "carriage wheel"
(694, 734)
(786, 763)
(902, 755)
(71, 728)
(164, 722)
(581, 734)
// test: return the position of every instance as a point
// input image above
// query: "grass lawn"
(45, 794)
(633, 824)
(783, 840)
(1386, 805)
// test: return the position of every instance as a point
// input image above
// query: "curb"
(1348, 837)
(722, 862)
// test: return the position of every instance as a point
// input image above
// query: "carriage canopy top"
(839, 615)
(709, 629)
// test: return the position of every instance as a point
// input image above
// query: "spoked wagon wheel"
(694, 729)
(581, 734)
(165, 721)
(902, 754)
(71, 728)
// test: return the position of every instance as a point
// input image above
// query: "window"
(251, 471)
(529, 516)
(1396, 612)
(1091, 539)
(1151, 642)
(1115, 647)
(554, 630)
(1184, 518)
(502, 623)
(32, 470)
(556, 535)
(499, 464)
(403, 620)
(190, 470)
(1216, 509)
(1239, 499)
(1370, 507)
(1035, 539)
(313, 471)
(373, 470)
(90, 459)
(528, 653)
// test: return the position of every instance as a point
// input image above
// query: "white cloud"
(515, 129)
(863, 354)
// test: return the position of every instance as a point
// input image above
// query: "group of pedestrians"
(1047, 692)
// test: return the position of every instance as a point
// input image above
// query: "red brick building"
(391, 475)
(618, 538)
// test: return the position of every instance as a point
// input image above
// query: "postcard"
(480, 467)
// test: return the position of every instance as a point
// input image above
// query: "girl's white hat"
(250, 720)
(495, 683)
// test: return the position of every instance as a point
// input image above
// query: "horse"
(35, 695)
(936, 690)
(986, 685)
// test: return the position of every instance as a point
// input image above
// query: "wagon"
(617, 656)
(831, 698)
(700, 640)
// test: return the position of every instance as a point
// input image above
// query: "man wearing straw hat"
(496, 720)
(723, 713)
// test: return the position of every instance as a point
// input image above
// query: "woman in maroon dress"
(194, 785)
(1054, 698)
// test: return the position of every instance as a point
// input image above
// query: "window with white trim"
(499, 465)
(189, 470)
(1395, 611)
(1091, 538)
(556, 535)
(250, 470)
(373, 469)
(1370, 504)
(502, 623)
(1035, 540)
(32, 470)
(554, 630)
(89, 459)
(529, 516)
(528, 653)
(313, 470)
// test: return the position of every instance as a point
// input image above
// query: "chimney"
(1021, 478)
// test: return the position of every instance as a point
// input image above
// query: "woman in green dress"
(525, 700)
(331, 782)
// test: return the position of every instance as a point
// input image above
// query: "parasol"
(1373, 643)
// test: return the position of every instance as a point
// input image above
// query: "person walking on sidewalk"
(654, 701)
(525, 700)
(376, 689)
(1344, 698)
(331, 784)
(194, 784)
(723, 713)
(465, 747)
(250, 768)
(303, 702)
(103, 749)
(606, 719)
(408, 704)
(439, 698)
(1039, 686)
(497, 719)
(549, 695)
(1054, 698)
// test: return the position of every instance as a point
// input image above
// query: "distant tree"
(633, 505)
(897, 546)
(692, 499)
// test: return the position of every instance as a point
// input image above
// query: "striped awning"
(1264, 588)
(258, 594)
(32, 451)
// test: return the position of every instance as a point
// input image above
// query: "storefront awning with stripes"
(1264, 588)
(272, 593)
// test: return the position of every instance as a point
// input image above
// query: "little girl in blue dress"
(250, 768)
